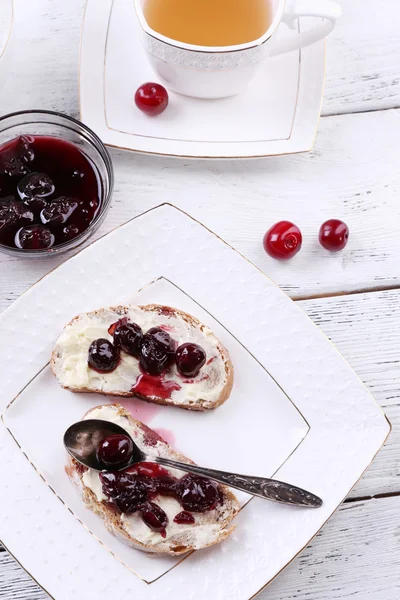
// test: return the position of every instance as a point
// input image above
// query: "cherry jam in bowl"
(56, 181)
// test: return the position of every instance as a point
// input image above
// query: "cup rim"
(105, 204)
(210, 49)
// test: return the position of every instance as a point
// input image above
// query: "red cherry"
(151, 98)
(35, 237)
(103, 356)
(115, 451)
(184, 518)
(154, 517)
(189, 359)
(282, 240)
(198, 494)
(333, 235)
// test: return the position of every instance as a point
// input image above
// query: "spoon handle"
(269, 489)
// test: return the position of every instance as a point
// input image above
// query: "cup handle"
(326, 9)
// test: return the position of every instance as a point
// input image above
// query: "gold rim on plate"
(258, 269)
(191, 156)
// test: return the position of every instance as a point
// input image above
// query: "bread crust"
(199, 405)
(111, 515)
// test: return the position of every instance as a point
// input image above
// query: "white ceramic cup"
(216, 72)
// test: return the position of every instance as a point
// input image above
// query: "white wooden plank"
(352, 174)
(15, 583)
(357, 554)
(383, 475)
(40, 64)
(359, 77)
(362, 68)
(365, 328)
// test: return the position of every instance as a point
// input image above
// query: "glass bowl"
(54, 124)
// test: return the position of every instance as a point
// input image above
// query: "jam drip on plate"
(137, 488)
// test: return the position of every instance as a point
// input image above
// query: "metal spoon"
(83, 438)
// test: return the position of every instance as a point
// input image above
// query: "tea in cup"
(212, 48)
(209, 22)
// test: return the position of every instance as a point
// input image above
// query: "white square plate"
(277, 114)
(257, 408)
(274, 347)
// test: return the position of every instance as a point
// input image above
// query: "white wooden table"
(353, 173)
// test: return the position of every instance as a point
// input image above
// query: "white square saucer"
(277, 114)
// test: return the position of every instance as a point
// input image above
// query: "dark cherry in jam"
(34, 237)
(184, 518)
(127, 336)
(198, 494)
(157, 351)
(13, 212)
(154, 517)
(136, 489)
(189, 359)
(103, 356)
(115, 451)
(126, 490)
(45, 182)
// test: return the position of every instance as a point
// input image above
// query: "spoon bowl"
(82, 440)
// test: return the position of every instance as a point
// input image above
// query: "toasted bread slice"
(207, 390)
(209, 527)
